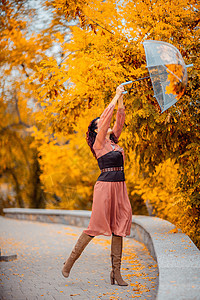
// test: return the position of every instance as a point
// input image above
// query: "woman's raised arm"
(105, 119)
(120, 118)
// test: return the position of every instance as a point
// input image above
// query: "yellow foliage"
(58, 94)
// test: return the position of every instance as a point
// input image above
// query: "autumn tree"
(99, 45)
(21, 49)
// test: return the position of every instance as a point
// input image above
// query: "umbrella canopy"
(167, 71)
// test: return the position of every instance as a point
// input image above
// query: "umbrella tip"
(188, 66)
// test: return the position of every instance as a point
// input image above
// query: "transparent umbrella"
(167, 71)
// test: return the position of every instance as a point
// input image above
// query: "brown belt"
(112, 169)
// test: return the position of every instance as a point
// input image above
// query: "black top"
(108, 160)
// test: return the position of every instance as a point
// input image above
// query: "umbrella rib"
(172, 73)
(158, 94)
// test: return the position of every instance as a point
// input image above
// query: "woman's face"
(109, 129)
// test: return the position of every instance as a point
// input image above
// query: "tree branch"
(23, 66)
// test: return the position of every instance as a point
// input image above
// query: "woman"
(111, 209)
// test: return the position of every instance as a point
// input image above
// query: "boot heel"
(112, 279)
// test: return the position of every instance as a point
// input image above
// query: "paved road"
(42, 249)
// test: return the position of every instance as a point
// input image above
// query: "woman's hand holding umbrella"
(118, 95)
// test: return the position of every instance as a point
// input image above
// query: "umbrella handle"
(125, 83)
(129, 82)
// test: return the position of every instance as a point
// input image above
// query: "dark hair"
(91, 135)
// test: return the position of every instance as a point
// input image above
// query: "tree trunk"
(36, 193)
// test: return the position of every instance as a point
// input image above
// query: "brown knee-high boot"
(116, 255)
(82, 242)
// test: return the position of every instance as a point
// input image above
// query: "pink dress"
(111, 209)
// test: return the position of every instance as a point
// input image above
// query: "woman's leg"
(81, 243)
(116, 255)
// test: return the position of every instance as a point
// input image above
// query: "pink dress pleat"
(111, 209)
